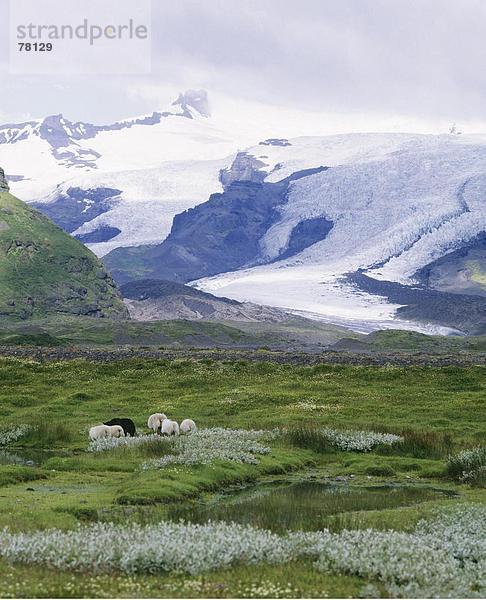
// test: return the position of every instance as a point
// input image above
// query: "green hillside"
(44, 271)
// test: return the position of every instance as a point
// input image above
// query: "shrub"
(380, 471)
(469, 466)
(202, 447)
(152, 443)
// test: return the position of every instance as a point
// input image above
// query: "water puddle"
(30, 457)
(304, 505)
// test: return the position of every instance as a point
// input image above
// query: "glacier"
(397, 203)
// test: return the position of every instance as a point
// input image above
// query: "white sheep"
(188, 426)
(155, 422)
(98, 431)
(169, 427)
(115, 431)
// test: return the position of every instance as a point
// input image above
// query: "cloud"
(420, 58)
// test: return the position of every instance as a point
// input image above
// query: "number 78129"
(35, 46)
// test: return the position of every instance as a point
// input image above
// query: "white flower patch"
(444, 557)
(109, 443)
(470, 463)
(309, 406)
(104, 547)
(13, 434)
(207, 445)
(359, 441)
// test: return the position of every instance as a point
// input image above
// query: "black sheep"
(127, 424)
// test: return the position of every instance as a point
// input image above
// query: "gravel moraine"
(226, 354)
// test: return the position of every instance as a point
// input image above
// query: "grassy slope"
(399, 339)
(296, 334)
(85, 487)
(43, 270)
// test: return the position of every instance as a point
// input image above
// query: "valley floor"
(48, 480)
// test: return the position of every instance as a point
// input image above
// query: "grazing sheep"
(188, 426)
(169, 427)
(115, 431)
(127, 424)
(98, 431)
(155, 422)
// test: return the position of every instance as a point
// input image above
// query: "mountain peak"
(193, 99)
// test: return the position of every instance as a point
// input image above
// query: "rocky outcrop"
(71, 208)
(3, 181)
(462, 312)
(195, 99)
(222, 234)
(244, 168)
(155, 300)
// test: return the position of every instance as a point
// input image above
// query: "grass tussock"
(45, 434)
(308, 437)
(154, 448)
(420, 444)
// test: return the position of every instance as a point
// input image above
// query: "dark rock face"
(275, 142)
(223, 234)
(220, 235)
(460, 311)
(156, 288)
(3, 182)
(102, 234)
(77, 206)
(461, 272)
(305, 234)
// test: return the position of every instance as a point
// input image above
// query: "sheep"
(127, 424)
(188, 426)
(115, 431)
(155, 422)
(169, 427)
(98, 431)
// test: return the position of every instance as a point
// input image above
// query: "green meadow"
(438, 411)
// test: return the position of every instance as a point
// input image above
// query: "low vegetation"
(469, 466)
(389, 427)
(443, 556)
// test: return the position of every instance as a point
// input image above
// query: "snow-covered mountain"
(121, 184)
(66, 168)
(321, 225)
(387, 205)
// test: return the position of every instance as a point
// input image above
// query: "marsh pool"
(306, 505)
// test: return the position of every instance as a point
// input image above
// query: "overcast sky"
(416, 58)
